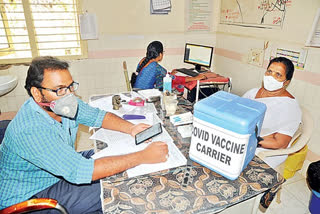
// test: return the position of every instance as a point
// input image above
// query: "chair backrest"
(126, 75)
(306, 130)
(302, 137)
(34, 205)
(3, 126)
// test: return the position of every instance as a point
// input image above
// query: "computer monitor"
(198, 55)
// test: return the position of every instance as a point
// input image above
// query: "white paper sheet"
(181, 119)
(148, 93)
(109, 136)
(185, 130)
(88, 26)
(148, 110)
(120, 144)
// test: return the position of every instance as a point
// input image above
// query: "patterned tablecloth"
(203, 191)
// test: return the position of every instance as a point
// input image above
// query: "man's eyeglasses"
(62, 91)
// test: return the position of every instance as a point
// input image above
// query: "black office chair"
(3, 126)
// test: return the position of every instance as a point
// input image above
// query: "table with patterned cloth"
(171, 191)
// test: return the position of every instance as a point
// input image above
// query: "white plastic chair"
(302, 137)
(304, 133)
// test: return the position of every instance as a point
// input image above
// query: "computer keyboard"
(188, 72)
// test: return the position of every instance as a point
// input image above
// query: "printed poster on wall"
(198, 15)
(254, 13)
(298, 57)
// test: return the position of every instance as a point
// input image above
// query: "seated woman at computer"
(150, 73)
(283, 114)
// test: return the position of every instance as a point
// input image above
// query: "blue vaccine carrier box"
(224, 134)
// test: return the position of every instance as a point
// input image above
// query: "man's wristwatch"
(259, 139)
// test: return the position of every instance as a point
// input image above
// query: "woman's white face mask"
(271, 84)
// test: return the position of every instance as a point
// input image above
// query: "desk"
(206, 192)
(216, 82)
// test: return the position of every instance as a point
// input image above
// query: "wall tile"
(12, 103)
(3, 104)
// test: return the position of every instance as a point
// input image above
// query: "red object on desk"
(136, 102)
(219, 79)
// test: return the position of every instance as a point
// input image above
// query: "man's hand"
(156, 152)
(135, 129)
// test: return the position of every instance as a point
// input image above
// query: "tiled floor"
(295, 194)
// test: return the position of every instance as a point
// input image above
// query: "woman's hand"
(135, 129)
(173, 72)
(199, 77)
(275, 141)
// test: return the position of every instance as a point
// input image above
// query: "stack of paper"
(185, 131)
(160, 6)
(149, 93)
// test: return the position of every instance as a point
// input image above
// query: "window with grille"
(30, 28)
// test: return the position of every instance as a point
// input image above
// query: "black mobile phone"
(148, 133)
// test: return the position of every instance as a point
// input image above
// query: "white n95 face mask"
(271, 84)
(66, 106)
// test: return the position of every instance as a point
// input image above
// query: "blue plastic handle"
(133, 117)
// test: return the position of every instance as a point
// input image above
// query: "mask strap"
(51, 104)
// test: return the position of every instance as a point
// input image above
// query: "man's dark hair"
(313, 176)
(37, 67)
(287, 62)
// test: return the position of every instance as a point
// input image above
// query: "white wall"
(125, 29)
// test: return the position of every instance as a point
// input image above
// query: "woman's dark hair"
(153, 51)
(37, 67)
(287, 62)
